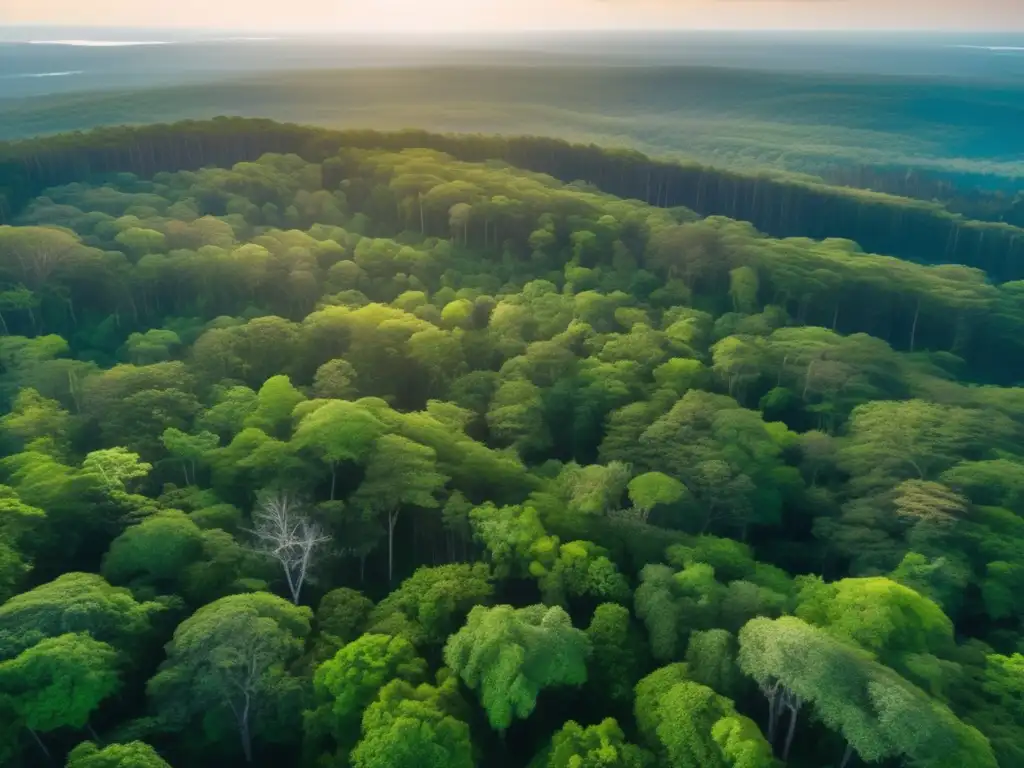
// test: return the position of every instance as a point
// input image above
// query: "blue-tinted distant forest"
(910, 115)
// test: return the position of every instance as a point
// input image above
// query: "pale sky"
(510, 15)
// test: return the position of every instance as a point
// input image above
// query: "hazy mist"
(491, 15)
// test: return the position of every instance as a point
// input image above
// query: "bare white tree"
(284, 532)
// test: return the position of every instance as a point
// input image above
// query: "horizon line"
(306, 32)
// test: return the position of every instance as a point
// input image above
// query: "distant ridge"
(777, 205)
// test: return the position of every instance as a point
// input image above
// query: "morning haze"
(505, 15)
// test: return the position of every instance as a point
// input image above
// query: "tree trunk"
(334, 478)
(293, 588)
(392, 521)
(913, 327)
(782, 370)
(708, 519)
(847, 754)
(835, 317)
(794, 710)
(46, 752)
(73, 389)
(243, 732)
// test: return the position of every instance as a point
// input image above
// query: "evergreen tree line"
(779, 205)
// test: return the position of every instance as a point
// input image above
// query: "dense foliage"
(781, 205)
(399, 460)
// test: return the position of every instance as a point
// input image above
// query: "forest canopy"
(394, 459)
(917, 227)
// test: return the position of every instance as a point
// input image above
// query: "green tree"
(592, 490)
(140, 241)
(408, 727)
(335, 379)
(796, 664)
(432, 603)
(189, 449)
(225, 567)
(256, 460)
(439, 354)
(74, 602)
(657, 606)
(133, 405)
(338, 431)
(115, 468)
(691, 714)
(673, 604)
(597, 746)
(619, 653)
(59, 681)
(1004, 680)
(340, 618)
(134, 754)
(17, 522)
(275, 402)
(649, 692)
(515, 539)
(13, 568)
(912, 439)
(681, 374)
(793, 664)
(516, 417)
(229, 660)
(346, 684)
(38, 422)
(741, 361)
(19, 299)
(995, 482)
(942, 579)
(156, 552)
(227, 416)
(400, 473)
(582, 570)
(508, 656)
(881, 616)
(650, 489)
(743, 288)
(711, 659)
(154, 346)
